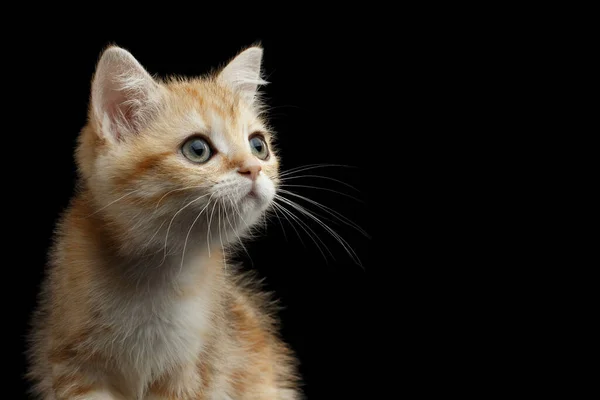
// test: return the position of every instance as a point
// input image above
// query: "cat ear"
(124, 95)
(243, 73)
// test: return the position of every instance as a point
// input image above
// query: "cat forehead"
(208, 109)
(225, 133)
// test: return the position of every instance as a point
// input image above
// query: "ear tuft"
(124, 95)
(243, 73)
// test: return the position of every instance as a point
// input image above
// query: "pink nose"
(250, 169)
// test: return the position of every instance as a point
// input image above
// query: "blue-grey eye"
(196, 150)
(259, 147)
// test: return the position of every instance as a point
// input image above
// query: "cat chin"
(257, 198)
(253, 206)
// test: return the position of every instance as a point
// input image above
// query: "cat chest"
(157, 335)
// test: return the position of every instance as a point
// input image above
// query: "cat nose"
(250, 169)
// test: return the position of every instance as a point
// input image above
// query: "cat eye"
(259, 147)
(196, 150)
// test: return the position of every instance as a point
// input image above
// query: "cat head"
(178, 153)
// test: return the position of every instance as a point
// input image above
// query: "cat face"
(188, 156)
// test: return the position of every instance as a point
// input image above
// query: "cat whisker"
(320, 177)
(138, 221)
(221, 238)
(239, 213)
(333, 233)
(302, 168)
(208, 232)
(326, 218)
(302, 225)
(330, 211)
(158, 230)
(177, 190)
(235, 209)
(279, 220)
(278, 206)
(172, 219)
(189, 231)
(326, 189)
(113, 202)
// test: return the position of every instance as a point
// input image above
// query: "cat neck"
(129, 261)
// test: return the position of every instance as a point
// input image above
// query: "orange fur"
(117, 312)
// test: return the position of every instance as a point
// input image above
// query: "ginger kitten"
(139, 301)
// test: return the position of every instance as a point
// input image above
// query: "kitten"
(139, 301)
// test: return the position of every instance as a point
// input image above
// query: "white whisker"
(302, 225)
(172, 219)
(320, 177)
(331, 211)
(279, 220)
(176, 190)
(279, 206)
(311, 166)
(326, 189)
(158, 230)
(189, 231)
(235, 209)
(112, 202)
(208, 231)
(333, 233)
(221, 239)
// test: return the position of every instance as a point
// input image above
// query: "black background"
(320, 109)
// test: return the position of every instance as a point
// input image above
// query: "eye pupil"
(198, 147)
